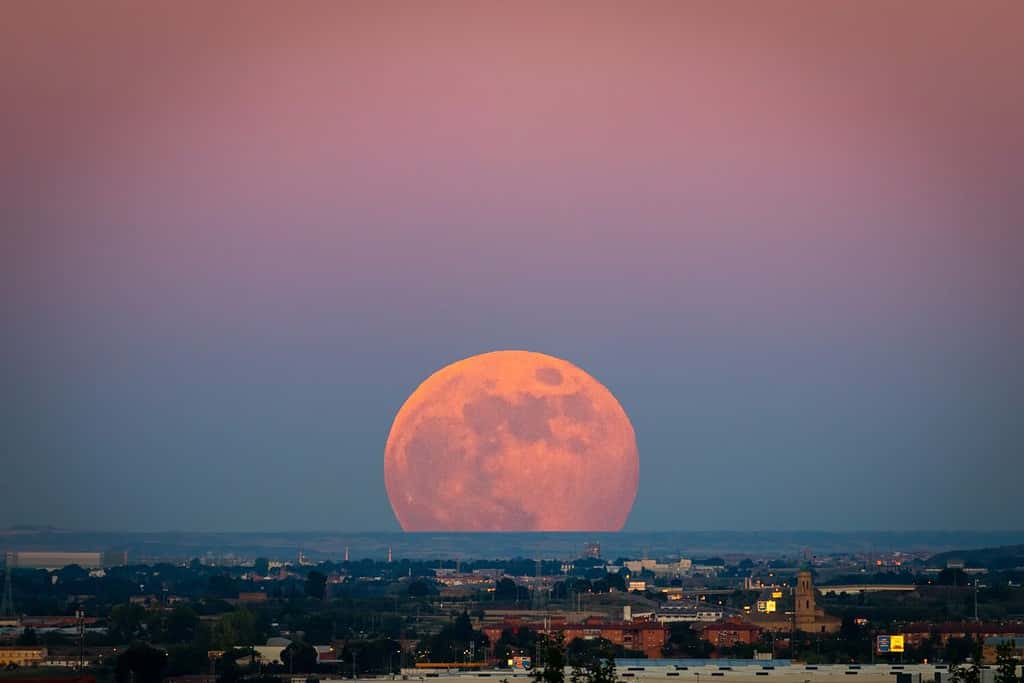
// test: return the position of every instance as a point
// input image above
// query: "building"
(327, 654)
(918, 632)
(22, 656)
(869, 588)
(729, 633)
(658, 568)
(640, 636)
(271, 652)
(707, 567)
(144, 600)
(667, 614)
(808, 617)
(51, 560)
(592, 550)
(57, 621)
(988, 653)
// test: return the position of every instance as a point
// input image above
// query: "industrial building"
(22, 655)
(51, 559)
(680, 568)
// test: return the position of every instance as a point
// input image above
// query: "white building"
(670, 613)
(659, 569)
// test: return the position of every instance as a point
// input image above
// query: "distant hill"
(788, 546)
(1001, 557)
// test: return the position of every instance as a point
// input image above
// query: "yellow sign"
(769, 606)
(776, 594)
(886, 644)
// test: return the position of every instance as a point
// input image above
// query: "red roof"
(588, 624)
(964, 627)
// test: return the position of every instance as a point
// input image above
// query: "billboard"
(520, 663)
(885, 644)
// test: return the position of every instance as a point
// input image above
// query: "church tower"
(806, 612)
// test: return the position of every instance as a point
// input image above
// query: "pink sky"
(760, 185)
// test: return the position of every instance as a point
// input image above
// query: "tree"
(28, 637)
(683, 641)
(550, 664)
(228, 670)
(958, 673)
(261, 566)
(222, 586)
(183, 660)
(299, 657)
(235, 629)
(454, 642)
(181, 625)
(958, 650)
(140, 664)
(419, 589)
(585, 653)
(952, 576)
(70, 573)
(1006, 663)
(507, 589)
(615, 580)
(597, 668)
(503, 648)
(126, 623)
(371, 656)
(316, 585)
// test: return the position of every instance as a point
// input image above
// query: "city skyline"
(237, 238)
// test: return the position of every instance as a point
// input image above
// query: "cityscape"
(225, 616)
(466, 341)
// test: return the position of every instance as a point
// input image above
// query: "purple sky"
(787, 236)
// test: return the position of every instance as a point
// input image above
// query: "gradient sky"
(786, 235)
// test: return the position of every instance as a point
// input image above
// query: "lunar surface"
(511, 441)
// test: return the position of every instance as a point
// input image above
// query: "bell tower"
(806, 612)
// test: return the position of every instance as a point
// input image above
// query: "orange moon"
(511, 441)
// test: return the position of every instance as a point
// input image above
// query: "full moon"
(511, 441)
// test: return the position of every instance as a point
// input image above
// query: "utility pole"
(80, 616)
(976, 599)
(537, 598)
(7, 605)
